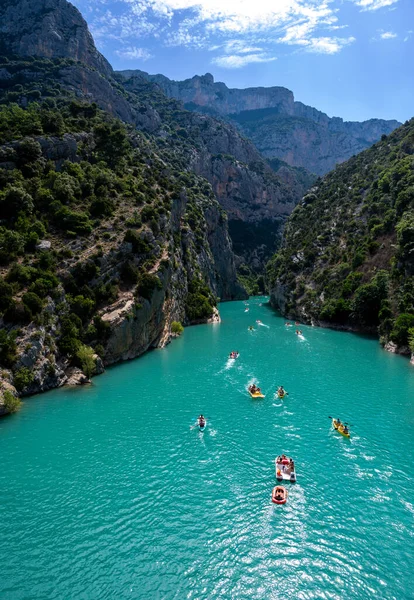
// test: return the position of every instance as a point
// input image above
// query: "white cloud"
(134, 53)
(327, 45)
(374, 4)
(235, 61)
(388, 35)
(237, 28)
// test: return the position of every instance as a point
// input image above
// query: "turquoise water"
(106, 492)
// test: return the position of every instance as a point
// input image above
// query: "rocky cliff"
(104, 243)
(257, 201)
(48, 29)
(280, 128)
(347, 258)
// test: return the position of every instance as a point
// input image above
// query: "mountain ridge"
(271, 118)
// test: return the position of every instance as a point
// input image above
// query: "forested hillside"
(106, 239)
(347, 257)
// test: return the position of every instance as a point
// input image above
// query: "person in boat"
(279, 495)
(338, 422)
(201, 421)
(281, 391)
(292, 466)
(346, 430)
(253, 389)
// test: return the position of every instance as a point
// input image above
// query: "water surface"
(106, 492)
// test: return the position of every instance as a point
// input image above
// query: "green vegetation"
(200, 302)
(176, 328)
(86, 358)
(23, 378)
(11, 402)
(348, 251)
(103, 201)
(253, 283)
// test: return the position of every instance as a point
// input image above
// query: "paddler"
(201, 421)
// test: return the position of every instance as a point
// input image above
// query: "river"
(107, 492)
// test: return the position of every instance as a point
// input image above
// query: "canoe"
(340, 428)
(256, 394)
(279, 494)
(284, 472)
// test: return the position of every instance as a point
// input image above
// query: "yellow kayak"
(340, 428)
(256, 394)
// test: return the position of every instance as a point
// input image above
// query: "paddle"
(344, 423)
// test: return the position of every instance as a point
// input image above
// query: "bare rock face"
(204, 92)
(50, 29)
(300, 135)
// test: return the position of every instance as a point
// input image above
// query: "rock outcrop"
(49, 29)
(281, 128)
(256, 201)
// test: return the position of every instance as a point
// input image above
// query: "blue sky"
(349, 58)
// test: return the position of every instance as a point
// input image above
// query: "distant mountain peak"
(279, 126)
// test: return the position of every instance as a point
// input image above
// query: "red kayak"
(279, 494)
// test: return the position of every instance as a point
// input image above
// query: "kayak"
(284, 471)
(256, 394)
(279, 494)
(340, 428)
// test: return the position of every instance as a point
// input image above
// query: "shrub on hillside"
(148, 283)
(176, 328)
(11, 402)
(400, 332)
(86, 358)
(23, 378)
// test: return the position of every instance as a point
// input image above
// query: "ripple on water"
(110, 494)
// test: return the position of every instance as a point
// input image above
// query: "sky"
(349, 58)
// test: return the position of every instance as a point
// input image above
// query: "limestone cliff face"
(216, 97)
(50, 29)
(298, 134)
(179, 255)
(255, 199)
